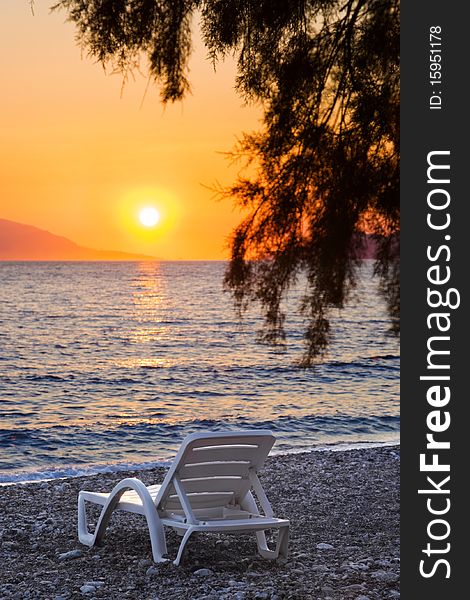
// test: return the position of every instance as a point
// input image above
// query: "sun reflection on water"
(144, 363)
(149, 293)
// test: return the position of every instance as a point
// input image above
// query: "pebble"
(254, 574)
(95, 584)
(69, 555)
(385, 576)
(87, 589)
(203, 572)
(355, 587)
(382, 563)
(145, 562)
(318, 568)
(324, 546)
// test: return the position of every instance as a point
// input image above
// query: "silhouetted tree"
(324, 167)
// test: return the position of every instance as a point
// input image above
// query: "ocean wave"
(28, 476)
(84, 445)
(46, 377)
(79, 470)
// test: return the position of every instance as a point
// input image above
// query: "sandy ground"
(344, 542)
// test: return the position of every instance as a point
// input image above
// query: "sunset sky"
(80, 159)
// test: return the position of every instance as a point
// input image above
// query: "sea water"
(104, 365)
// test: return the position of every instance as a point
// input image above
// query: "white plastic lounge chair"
(207, 488)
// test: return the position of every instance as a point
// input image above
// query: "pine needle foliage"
(324, 167)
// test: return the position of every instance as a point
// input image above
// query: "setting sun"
(149, 216)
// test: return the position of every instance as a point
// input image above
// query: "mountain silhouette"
(25, 242)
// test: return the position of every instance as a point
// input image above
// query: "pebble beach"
(344, 539)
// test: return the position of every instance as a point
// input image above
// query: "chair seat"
(129, 501)
(257, 523)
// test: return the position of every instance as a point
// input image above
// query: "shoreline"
(73, 471)
(344, 539)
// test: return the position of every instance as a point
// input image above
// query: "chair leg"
(96, 538)
(184, 541)
(281, 544)
(84, 535)
(155, 527)
(157, 534)
(263, 549)
(249, 504)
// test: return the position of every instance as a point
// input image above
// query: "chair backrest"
(213, 469)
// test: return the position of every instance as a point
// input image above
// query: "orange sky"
(79, 159)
